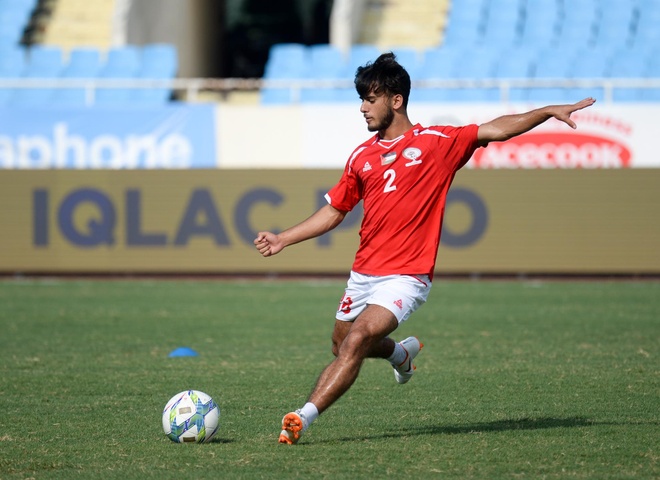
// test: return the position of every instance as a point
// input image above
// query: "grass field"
(517, 380)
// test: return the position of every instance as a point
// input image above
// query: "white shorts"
(400, 294)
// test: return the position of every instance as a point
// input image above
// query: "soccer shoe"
(404, 372)
(292, 427)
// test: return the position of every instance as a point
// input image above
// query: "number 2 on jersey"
(389, 175)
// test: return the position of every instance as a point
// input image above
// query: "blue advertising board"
(172, 136)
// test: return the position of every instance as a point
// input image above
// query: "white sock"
(309, 412)
(398, 356)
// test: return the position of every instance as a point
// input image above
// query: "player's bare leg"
(401, 358)
(356, 341)
(364, 338)
(382, 349)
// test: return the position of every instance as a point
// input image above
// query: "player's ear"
(397, 101)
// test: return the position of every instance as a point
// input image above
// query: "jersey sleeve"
(464, 142)
(346, 193)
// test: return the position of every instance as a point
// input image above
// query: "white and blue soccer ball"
(191, 416)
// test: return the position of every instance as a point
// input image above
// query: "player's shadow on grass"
(503, 425)
(484, 427)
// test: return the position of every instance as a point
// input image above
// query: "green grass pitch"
(518, 379)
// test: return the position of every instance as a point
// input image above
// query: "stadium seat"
(577, 27)
(326, 62)
(646, 31)
(286, 60)
(437, 64)
(615, 25)
(83, 63)
(158, 60)
(12, 64)
(628, 63)
(475, 64)
(551, 63)
(121, 63)
(590, 63)
(461, 33)
(502, 25)
(540, 23)
(43, 63)
(515, 64)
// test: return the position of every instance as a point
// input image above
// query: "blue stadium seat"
(540, 23)
(502, 25)
(43, 63)
(12, 64)
(628, 63)
(461, 33)
(615, 26)
(516, 64)
(326, 62)
(286, 60)
(646, 31)
(476, 64)
(577, 27)
(589, 64)
(437, 64)
(551, 63)
(158, 60)
(83, 63)
(121, 63)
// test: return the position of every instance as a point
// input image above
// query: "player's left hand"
(563, 112)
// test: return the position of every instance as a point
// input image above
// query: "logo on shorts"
(399, 303)
(345, 304)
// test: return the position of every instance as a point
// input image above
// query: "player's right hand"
(267, 244)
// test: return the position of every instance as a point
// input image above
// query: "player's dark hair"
(383, 76)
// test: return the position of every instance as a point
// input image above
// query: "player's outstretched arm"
(323, 220)
(508, 126)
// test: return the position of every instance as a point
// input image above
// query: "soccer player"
(402, 174)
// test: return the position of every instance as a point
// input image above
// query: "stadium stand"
(43, 62)
(417, 24)
(535, 39)
(44, 40)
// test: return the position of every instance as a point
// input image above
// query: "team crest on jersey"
(412, 154)
(387, 158)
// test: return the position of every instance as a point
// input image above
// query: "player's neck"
(398, 127)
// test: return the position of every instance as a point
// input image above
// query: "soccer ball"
(191, 416)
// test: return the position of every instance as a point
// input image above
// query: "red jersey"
(404, 184)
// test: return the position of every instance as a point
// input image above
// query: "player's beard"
(385, 122)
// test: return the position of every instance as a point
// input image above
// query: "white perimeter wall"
(323, 136)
